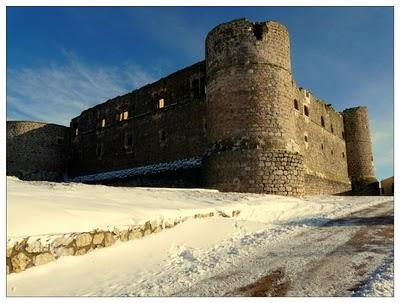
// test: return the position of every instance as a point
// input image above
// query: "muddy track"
(329, 260)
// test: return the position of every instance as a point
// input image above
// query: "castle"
(234, 122)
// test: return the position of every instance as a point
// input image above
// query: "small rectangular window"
(296, 104)
(76, 131)
(161, 103)
(306, 112)
(99, 150)
(125, 115)
(59, 140)
(103, 123)
(322, 122)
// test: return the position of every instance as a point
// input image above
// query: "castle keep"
(234, 122)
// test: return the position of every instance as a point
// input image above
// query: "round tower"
(250, 95)
(359, 151)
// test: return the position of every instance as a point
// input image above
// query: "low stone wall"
(35, 251)
(315, 185)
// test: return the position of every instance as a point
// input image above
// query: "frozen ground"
(276, 246)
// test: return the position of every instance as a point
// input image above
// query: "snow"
(142, 170)
(170, 262)
(47, 208)
(380, 282)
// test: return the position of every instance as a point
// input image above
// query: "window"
(332, 129)
(122, 116)
(128, 142)
(99, 150)
(322, 146)
(343, 154)
(76, 131)
(161, 103)
(322, 122)
(332, 152)
(296, 104)
(162, 137)
(59, 140)
(306, 138)
(202, 86)
(195, 88)
(103, 123)
(306, 111)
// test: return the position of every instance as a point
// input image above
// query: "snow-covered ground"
(165, 263)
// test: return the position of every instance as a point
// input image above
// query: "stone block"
(83, 240)
(34, 247)
(43, 259)
(135, 234)
(108, 239)
(20, 262)
(98, 238)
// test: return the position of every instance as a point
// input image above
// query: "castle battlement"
(239, 113)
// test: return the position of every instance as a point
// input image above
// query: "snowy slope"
(170, 262)
(44, 208)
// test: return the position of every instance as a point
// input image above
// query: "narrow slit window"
(296, 104)
(343, 154)
(76, 131)
(305, 138)
(332, 129)
(322, 146)
(322, 122)
(306, 112)
(125, 115)
(103, 123)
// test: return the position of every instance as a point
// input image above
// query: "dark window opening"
(99, 150)
(322, 146)
(60, 140)
(296, 104)
(128, 142)
(306, 111)
(202, 86)
(196, 88)
(332, 129)
(343, 155)
(306, 138)
(258, 31)
(162, 137)
(322, 122)
(332, 152)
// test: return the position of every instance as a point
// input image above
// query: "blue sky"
(61, 61)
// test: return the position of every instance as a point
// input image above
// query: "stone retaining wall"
(34, 251)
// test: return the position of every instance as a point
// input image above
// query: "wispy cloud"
(58, 92)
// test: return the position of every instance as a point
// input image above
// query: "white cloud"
(58, 92)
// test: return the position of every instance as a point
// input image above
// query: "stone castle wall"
(239, 110)
(36, 150)
(148, 134)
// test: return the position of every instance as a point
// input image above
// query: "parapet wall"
(36, 150)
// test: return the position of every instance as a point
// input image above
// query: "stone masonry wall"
(35, 251)
(149, 134)
(248, 111)
(36, 150)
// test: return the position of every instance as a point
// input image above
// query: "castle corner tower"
(249, 101)
(359, 151)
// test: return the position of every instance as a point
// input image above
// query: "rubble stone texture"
(240, 111)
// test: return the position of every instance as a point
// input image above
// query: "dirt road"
(333, 259)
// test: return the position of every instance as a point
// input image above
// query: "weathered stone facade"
(36, 150)
(242, 113)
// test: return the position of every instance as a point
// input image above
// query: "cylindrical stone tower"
(359, 151)
(250, 96)
(37, 150)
